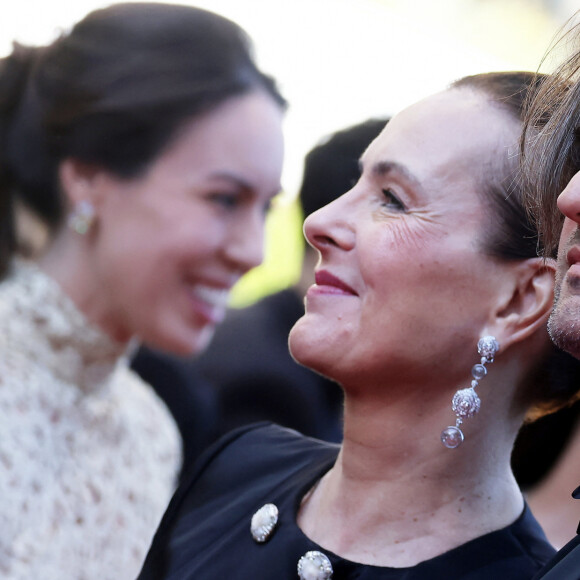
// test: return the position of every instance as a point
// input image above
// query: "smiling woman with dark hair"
(152, 145)
(429, 309)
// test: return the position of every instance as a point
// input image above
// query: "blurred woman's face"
(403, 288)
(169, 246)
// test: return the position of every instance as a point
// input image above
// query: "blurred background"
(339, 62)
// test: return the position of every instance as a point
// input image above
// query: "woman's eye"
(226, 200)
(392, 201)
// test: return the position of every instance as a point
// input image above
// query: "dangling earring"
(465, 402)
(82, 217)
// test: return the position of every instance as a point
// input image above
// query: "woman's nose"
(245, 248)
(569, 199)
(331, 226)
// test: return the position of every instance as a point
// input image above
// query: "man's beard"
(564, 325)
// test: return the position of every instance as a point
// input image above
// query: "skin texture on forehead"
(459, 156)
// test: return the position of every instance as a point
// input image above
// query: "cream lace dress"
(88, 453)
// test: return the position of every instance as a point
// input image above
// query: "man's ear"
(528, 307)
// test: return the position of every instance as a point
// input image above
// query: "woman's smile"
(327, 283)
(209, 301)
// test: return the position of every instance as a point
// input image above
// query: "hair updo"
(112, 92)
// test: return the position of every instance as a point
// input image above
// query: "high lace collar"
(43, 323)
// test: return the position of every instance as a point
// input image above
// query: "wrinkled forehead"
(457, 133)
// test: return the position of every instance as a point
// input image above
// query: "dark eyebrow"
(240, 182)
(383, 168)
(234, 179)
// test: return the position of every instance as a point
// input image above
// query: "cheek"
(398, 257)
(146, 258)
(189, 231)
(436, 287)
(567, 238)
(568, 229)
(404, 243)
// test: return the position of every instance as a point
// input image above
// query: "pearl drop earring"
(466, 402)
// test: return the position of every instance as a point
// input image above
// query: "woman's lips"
(330, 284)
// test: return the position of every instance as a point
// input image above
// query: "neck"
(397, 496)
(66, 261)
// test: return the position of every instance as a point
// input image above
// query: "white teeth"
(213, 296)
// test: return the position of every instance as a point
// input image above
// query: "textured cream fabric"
(88, 453)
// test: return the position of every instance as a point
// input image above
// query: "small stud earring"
(466, 402)
(82, 217)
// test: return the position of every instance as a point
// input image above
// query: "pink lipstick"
(327, 283)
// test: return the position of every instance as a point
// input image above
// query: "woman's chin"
(184, 344)
(200, 340)
(305, 350)
(296, 343)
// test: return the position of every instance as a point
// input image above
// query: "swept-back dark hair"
(113, 92)
(550, 142)
(513, 234)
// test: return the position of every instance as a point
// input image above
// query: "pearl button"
(314, 565)
(263, 522)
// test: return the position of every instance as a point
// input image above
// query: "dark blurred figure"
(248, 374)
(191, 399)
(540, 445)
(544, 461)
(248, 360)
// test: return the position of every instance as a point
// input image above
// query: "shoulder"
(565, 565)
(145, 418)
(516, 552)
(129, 389)
(521, 549)
(252, 451)
(528, 534)
(234, 476)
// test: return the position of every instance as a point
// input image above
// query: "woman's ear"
(77, 182)
(529, 306)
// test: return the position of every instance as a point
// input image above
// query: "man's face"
(564, 324)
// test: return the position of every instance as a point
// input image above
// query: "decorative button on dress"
(88, 453)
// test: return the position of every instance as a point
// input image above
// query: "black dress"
(565, 565)
(205, 533)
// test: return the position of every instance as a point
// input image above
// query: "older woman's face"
(403, 288)
(169, 246)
